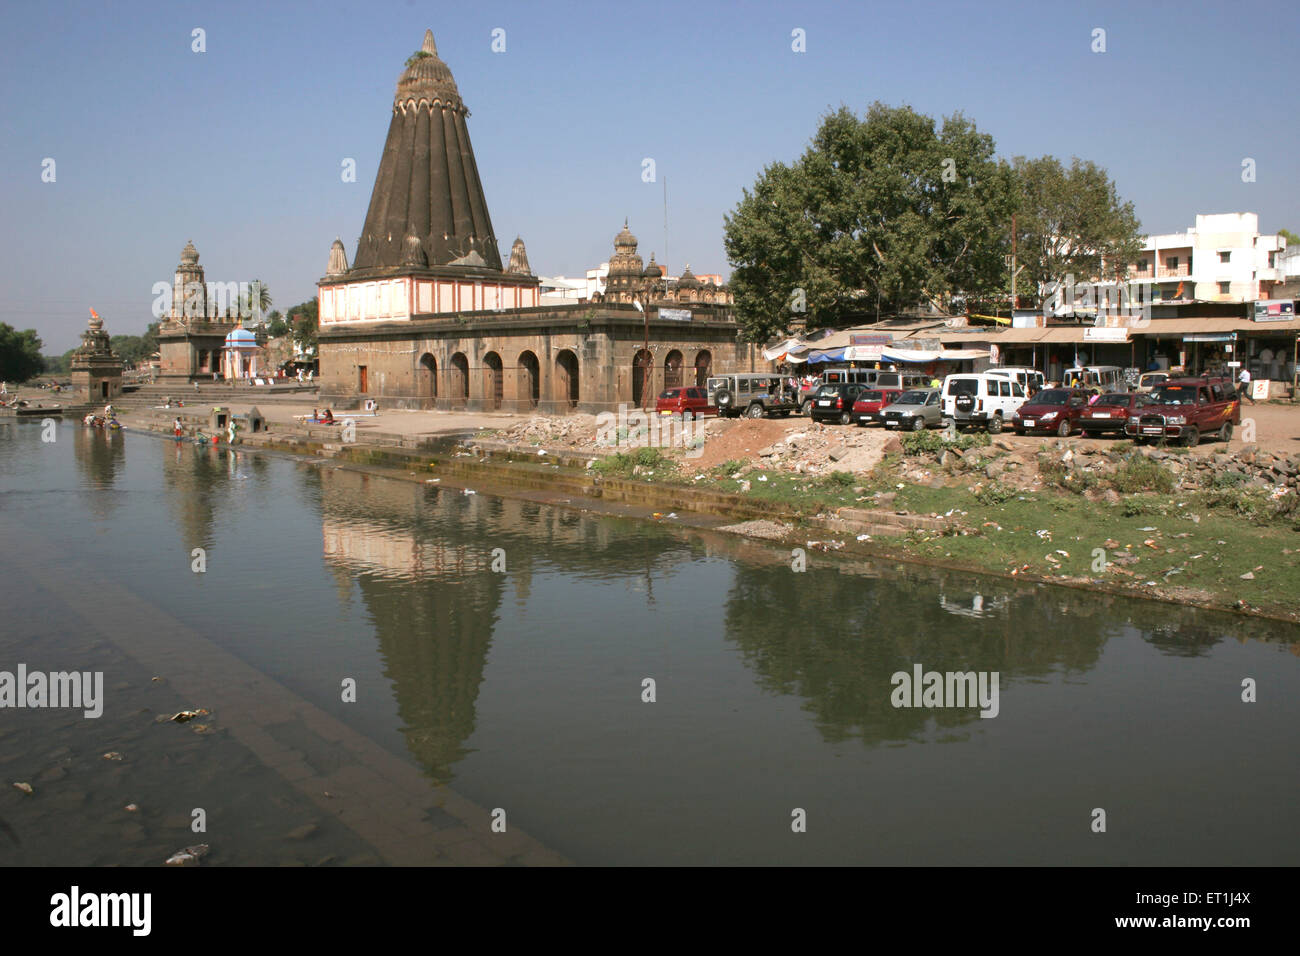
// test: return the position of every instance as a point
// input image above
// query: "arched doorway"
(459, 379)
(494, 380)
(703, 367)
(673, 369)
(530, 379)
(427, 379)
(566, 379)
(642, 377)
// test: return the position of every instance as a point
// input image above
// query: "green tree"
(276, 326)
(58, 364)
(305, 323)
(129, 348)
(256, 300)
(1068, 221)
(1291, 238)
(879, 214)
(20, 354)
(149, 341)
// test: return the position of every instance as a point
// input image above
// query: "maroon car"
(1051, 410)
(872, 402)
(1184, 409)
(1111, 412)
(690, 402)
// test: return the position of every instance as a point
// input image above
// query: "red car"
(1111, 412)
(872, 402)
(1052, 410)
(690, 403)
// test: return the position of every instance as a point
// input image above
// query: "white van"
(1030, 379)
(982, 398)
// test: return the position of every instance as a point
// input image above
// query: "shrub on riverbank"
(934, 442)
(635, 463)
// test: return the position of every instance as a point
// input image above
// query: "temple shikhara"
(428, 315)
(192, 335)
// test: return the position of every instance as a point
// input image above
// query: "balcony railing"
(1174, 272)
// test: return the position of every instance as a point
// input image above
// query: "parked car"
(835, 402)
(1111, 412)
(870, 403)
(1052, 410)
(915, 410)
(1184, 409)
(1149, 380)
(750, 394)
(981, 399)
(689, 402)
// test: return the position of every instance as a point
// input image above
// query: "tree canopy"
(303, 318)
(889, 211)
(1068, 221)
(20, 354)
(879, 214)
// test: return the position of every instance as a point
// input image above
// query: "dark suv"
(835, 402)
(1184, 409)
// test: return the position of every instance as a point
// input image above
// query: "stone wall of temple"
(548, 360)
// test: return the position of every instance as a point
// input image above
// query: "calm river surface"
(521, 689)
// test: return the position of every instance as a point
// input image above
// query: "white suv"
(981, 399)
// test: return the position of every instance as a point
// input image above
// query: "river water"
(499, 650)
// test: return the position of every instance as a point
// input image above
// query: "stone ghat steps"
(149, 395)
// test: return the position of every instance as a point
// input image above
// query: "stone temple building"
(192, 336)
(427, 315)
(96, 370)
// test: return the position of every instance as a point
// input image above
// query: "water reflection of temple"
(100, 454)
(420, 557)
(202, 481)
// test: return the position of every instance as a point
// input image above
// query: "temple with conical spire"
(427, 247)
(427, 316)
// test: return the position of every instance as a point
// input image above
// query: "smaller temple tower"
(191, 336)
(96, 371)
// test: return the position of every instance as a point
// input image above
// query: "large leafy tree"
(304, 319)
(1291, 238)
(879, 213)
(20, 354)
(276, 326)
(1070, 222)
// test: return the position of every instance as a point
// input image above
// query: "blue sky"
(240, 147)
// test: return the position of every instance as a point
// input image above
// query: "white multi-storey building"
(1223, 258)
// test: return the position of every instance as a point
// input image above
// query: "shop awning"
(933, 355)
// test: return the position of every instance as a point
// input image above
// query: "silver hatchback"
(915, 410)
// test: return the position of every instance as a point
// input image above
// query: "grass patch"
(1137, 473)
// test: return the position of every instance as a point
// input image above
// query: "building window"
(1142, 265)
(1171, 262)
(1272, 260)
(1225, 256)
(1223, 288)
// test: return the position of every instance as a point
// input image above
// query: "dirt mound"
(742, 439)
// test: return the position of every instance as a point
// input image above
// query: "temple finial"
(429, 46)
